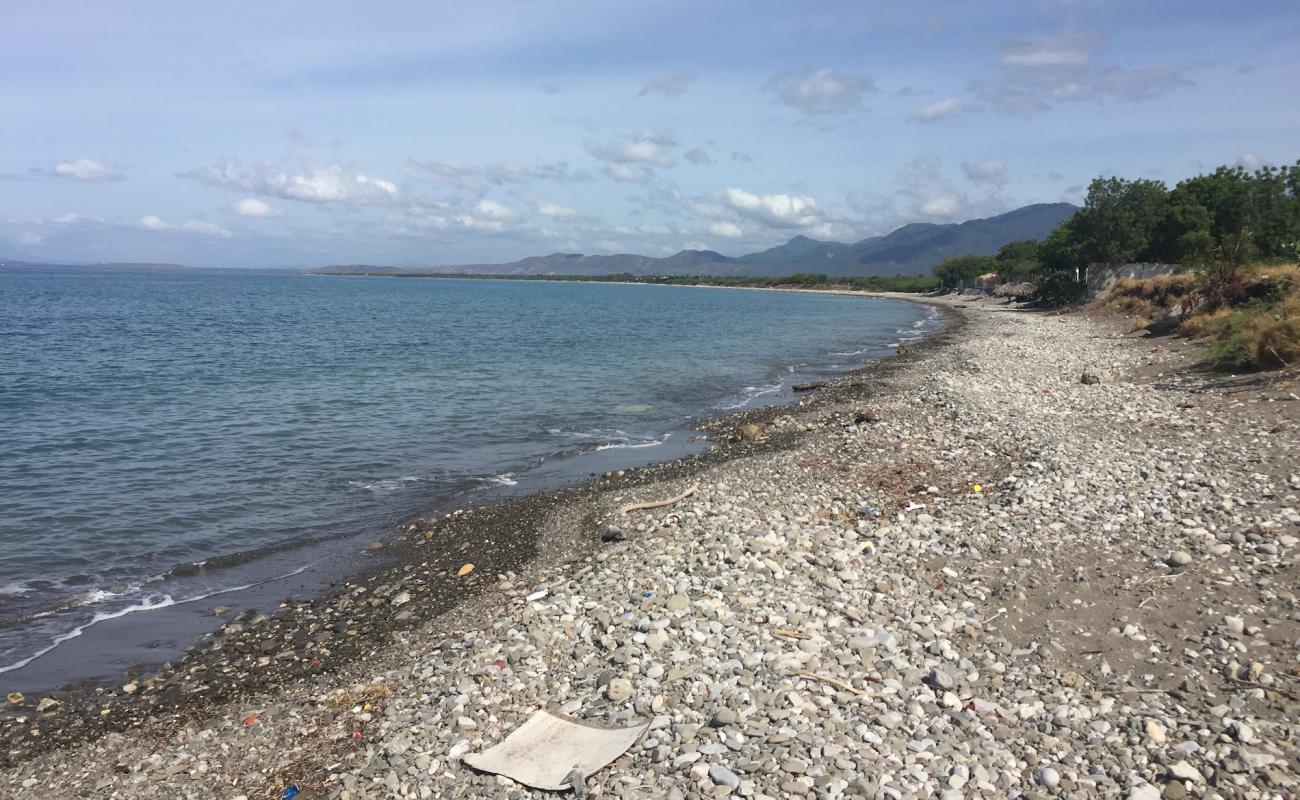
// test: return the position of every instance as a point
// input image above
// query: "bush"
(1198, 326)
(1258, 335)
(1057, 289)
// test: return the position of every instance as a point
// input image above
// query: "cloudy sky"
(304, 133)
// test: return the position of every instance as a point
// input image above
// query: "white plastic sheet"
(544, 750)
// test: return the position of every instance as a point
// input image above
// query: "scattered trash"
(289, 793)
(537, 595)
(977, 488)
(551, 752)
(251, 719)
(465, 570)
(15, 698)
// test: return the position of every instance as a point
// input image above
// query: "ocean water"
(151, 422)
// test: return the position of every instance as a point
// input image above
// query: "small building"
(987, 282)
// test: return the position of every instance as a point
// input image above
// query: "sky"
(295, 134)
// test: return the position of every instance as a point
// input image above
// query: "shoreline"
(210, 671)
(977, 573)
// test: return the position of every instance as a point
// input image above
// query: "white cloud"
(823, 91)
(75, 219)
(623, 173)
(646, 148)
(491, 209)
(316, 184)
(939, 110)
(1043, 71)
(559, 212)
(729, 230)
(669, 85)
(1066, 50)
(152, 222)
(205, 228)
(922, 191)
(1251, 161)
(485, 215)
(252, 207)
(991, 172)
(86, 171)
(774, 210)
(482, 177)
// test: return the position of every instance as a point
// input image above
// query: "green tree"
(1062, 250)
(1120, 219)
(962, 270)
(1018, 259)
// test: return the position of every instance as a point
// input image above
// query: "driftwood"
(811, 385)
(812, 676)
(627, 509)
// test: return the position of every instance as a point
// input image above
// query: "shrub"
(1059, 288)
(1258, 335)
(1198, 326)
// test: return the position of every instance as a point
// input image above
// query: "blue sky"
(306, 133)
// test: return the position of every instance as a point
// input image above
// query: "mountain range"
(911, 250)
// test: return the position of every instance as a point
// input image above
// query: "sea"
(175, 441)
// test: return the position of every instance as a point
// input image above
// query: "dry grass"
(372, 694)
(1260, 335)
(1261, 331)
(1198, 326)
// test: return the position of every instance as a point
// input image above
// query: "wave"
(148, 604)
(751, 393)
(633, 445)
(386, 485)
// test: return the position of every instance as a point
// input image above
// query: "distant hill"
(911, 250)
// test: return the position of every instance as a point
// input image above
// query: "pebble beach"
(1038, 557)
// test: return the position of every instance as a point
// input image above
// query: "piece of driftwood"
(853, 690)
(627, 509)
(808, 387)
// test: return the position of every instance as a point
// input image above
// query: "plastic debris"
(552, 752)
(465, 570)
(289, 793)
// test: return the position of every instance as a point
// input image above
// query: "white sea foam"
(148, 604)
(751, 393)
(630, 445)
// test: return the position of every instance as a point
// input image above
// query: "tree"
(962, 270)
(1120, 219)
(1062, 250)
(1018, 259)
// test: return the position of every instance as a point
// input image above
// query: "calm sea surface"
(150, 421)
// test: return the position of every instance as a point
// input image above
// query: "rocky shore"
(1038, 558)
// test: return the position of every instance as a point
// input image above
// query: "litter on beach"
(545, 750)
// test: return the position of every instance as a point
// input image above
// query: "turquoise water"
(150, 420)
